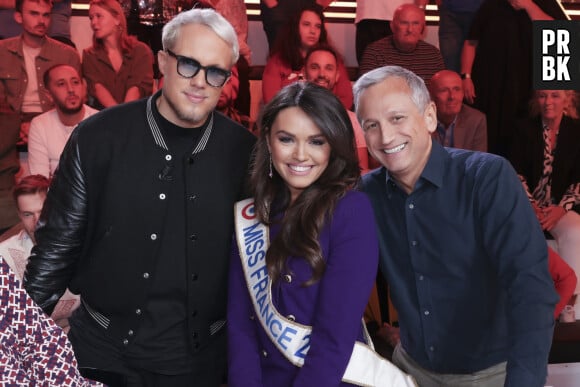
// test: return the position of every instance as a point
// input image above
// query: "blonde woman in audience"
(546, 155)
(118, 68)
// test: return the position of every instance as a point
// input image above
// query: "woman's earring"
(270, 174)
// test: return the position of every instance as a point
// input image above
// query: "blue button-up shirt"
(444, 134)
(466, 261)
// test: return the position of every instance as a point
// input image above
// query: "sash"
(365, 368)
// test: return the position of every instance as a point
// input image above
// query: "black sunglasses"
(189, 67)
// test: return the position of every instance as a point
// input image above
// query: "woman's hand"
(271, 3)
(468, 90)
(551, 216)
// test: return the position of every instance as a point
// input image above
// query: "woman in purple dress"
(295, 307)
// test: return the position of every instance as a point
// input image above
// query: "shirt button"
(162, 196)
(191, 197)
(287, 278)
(193, 237)
(153, 237)
(194, 334)
(194, 313)
(411, 206)
(264, 353)
(125, 342)
(130, 333)
(168, 157)
(431, 348)
(426, 313)
(194, 277)
(138, 312)
(414, 243)
(252, 317)
(291, 317)
(146, 275)
(421, 278)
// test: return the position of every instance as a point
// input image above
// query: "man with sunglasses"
(139, 219)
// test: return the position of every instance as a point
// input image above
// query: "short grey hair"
(207, 17)
(419, 93)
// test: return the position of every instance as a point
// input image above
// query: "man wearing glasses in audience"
(139, 219)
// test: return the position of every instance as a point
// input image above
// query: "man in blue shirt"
(460, 246)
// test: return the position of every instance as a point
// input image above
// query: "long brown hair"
(304, 218)
(126, 41)
(288, 42)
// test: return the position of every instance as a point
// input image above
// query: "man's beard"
(69, 111)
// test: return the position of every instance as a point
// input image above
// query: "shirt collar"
(441, 126)
(433, 171)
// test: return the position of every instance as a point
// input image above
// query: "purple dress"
(333, 306)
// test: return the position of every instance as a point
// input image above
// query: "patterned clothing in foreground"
(424, 61)
(33, 350)
(15, 251)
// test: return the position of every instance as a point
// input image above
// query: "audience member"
(405, 47)
(8, 26)
(118, 68)
(235, 12)
(373, 21)
(546, 155)
(286, 64)
(60, 21)
(275, 14)
(229, 96)
(458, 125)
(297, 238)
(29, 195)
(455, 18)
(496, 63)
(321, 67)
(139, 220)
(50, 131)
(34, 351)
(459, 246)
(235, 98)
(25, 58)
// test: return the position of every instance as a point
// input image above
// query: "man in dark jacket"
(139, 219)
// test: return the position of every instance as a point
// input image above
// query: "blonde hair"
(570, 101)
(126, 42)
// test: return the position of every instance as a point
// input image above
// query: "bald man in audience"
(458, 125)
(406, 47)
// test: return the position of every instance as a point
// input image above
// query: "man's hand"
(24, 129)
